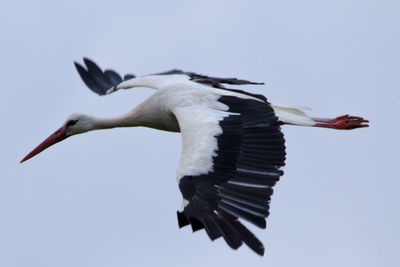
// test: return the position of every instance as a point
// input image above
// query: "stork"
(232, 145)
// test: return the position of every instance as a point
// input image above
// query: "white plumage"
(232, 145)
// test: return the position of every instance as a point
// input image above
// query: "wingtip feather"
(87, 60)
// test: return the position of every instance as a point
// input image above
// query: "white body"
(198, 112)
(232, 144)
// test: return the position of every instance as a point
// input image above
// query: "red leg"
(344, 122)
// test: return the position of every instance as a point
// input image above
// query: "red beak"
(56, 137)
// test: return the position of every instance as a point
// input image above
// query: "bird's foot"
(344, 122)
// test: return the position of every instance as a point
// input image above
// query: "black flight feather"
(251, 150)
(97, 80)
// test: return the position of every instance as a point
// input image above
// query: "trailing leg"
(297, 116)
(344, 122)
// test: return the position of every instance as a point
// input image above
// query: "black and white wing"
(230, 161)
(104, 82)
(217, 82)
(97, 80)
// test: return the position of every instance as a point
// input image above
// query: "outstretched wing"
(217, 82)
(103, 82)
(230, 161)
(213, 81)
(97, 80)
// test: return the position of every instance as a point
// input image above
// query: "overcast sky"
(109, 198)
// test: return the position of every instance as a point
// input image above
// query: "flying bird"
(232, 145)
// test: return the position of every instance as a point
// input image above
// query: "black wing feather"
(251, 151)
(112, 76)
(128, 76)
(88, 80)
(97, 74)
(217, 82)
(97, 80)
(211, 227)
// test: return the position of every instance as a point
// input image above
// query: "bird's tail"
(297, 116)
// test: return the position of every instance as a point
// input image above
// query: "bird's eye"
(71, 123)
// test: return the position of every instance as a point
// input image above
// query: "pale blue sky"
(109, 198)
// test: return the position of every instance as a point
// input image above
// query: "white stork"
(232, 145)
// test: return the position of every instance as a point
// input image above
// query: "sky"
(109, 198)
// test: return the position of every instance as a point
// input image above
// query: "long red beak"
(56, 137)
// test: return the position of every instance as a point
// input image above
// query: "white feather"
(292, 115)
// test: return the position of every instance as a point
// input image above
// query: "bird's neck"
(143, 115)
(127, 120)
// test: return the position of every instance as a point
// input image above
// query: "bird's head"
(75, 124)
